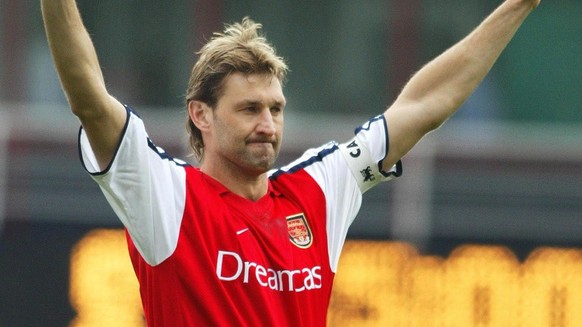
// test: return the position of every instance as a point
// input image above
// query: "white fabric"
(338, 170)
(145, 188)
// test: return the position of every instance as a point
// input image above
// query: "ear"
(200, 114)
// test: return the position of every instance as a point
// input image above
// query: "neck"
(247, 185)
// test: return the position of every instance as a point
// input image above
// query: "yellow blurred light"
(103, 287)
(378, 284)
(367, 291)
(552, 287)
(482, 287)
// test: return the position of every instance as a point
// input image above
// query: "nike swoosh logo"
(242, 231)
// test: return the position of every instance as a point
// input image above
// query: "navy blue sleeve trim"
(303, 164)
(103, 172)
(164, 155)
(366, 126)
(398, 171)
(387, 148)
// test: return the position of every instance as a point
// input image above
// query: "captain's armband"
(365, 170)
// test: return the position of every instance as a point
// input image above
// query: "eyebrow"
(252, 102)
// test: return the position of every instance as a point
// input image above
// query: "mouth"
(261, 146)
(261, 141)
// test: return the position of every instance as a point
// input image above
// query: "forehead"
(258, 87)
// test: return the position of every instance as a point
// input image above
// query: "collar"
(220, 189)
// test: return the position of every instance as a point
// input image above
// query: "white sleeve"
(145, 187)
(366, 151)
(345, 172)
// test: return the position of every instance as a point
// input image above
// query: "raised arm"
(436, 91)
(102, 116)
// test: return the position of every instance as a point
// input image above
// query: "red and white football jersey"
(205, 256)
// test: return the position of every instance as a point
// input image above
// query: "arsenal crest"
(299, 231)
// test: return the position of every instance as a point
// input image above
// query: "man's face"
(247, 123)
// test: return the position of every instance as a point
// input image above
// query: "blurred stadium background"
(488, 214)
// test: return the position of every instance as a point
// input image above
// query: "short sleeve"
(145, 188)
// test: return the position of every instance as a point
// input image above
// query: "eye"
(276, 110)
(251, 109)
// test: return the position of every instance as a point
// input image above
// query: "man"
(234, 243)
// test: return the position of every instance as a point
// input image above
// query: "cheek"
(231, 134)
(280, 123)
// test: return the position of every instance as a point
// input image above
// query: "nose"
(266, 124)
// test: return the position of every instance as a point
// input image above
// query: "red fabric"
(243, 263)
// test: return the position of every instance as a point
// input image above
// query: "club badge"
(299, 231)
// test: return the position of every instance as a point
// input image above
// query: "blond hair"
(240, 48)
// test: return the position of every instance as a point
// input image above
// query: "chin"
(257, 163)
(263, 166)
